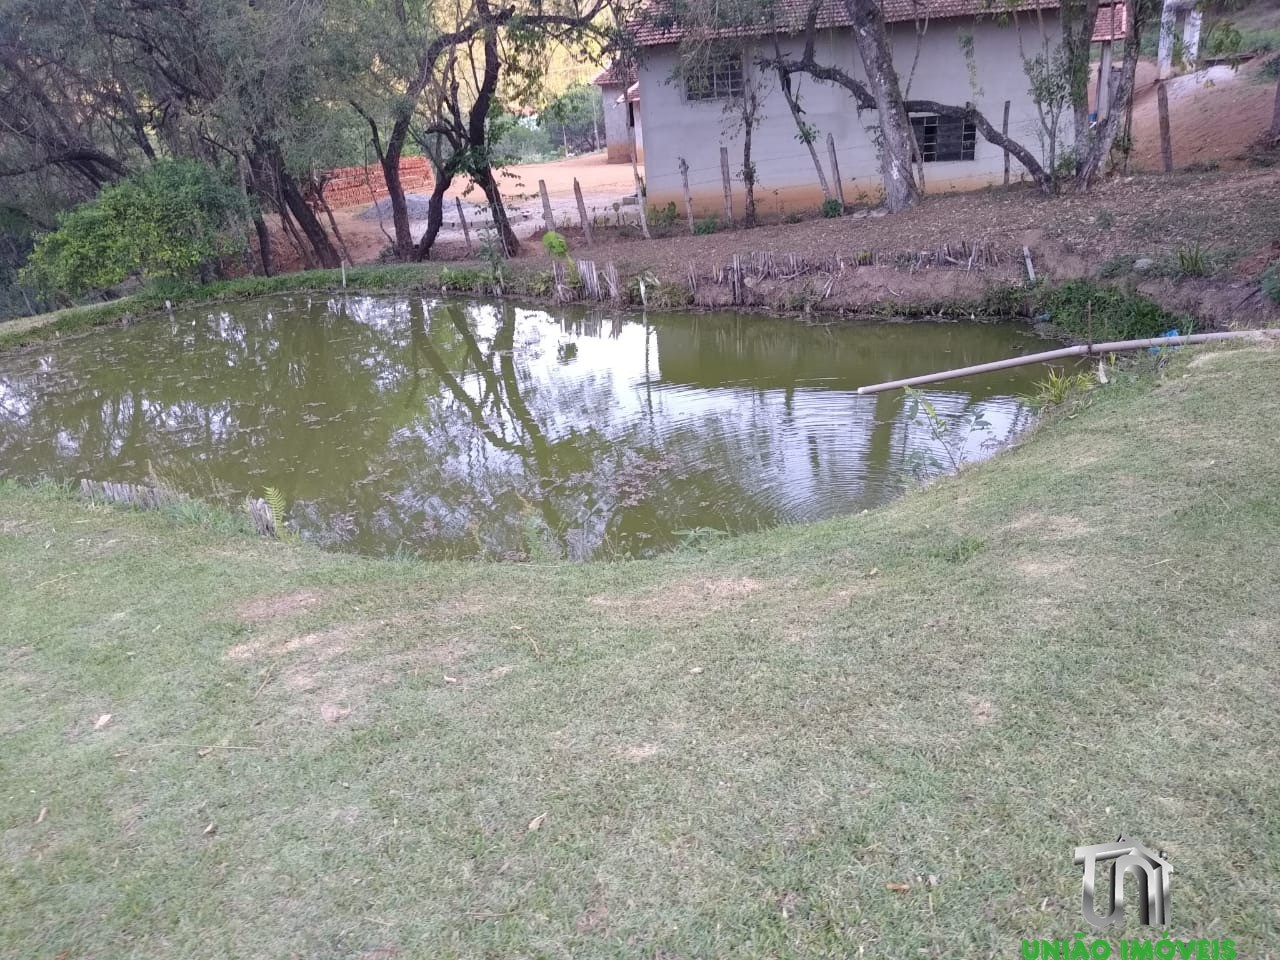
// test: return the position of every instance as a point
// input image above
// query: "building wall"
(785, 178)
(616, 138)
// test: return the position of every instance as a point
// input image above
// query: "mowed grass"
(877, 736)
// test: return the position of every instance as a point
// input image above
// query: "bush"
(1118, 314)
(832, 208)
(555, 245)
(168, 222)
(1271, 282)
(708, 225)
(663, 216)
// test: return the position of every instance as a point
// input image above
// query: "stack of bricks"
(351, 186)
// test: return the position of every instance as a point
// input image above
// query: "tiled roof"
(617, 74)
(1112, 22)
(654, 25)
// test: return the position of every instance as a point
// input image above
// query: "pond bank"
(811, 296)
(796, 739)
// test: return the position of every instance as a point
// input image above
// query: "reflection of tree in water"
(463, 430)
(488, 466)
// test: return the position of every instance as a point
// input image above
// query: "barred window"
(942, 138)
(718, 78)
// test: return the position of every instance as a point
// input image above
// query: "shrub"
(1118, 314)
(167, 222)
(832, 208)
(555, 245)
(792, 217)
(663, 216)
(1271, 282)
(707, 225)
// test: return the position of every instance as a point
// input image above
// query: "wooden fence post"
(582, 211)
(1166, 139)
(835, 169)
(1004, 129)
(462, 219)
(688, 200)
(547, 217)
(728, 190)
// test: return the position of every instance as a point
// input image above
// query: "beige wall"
(785, 176)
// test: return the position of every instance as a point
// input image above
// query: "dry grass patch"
(265, 609)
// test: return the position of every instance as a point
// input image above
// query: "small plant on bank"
(555, 245)
(1059, 387)
(707, 225)
(1271, 279)
(832, 208)
(951, 434)
(793, 217)
(1193, 260)
(663, 216)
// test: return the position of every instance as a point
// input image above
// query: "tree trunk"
(748, 168)
(803, 130)
(435, 213)
(264, 245)
(1275, 116)
(900, 190)
(390, 163)
(1078, 19)
(308, 221)
(483, 176)
(1104, 135)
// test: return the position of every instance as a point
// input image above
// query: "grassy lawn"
(877, 736)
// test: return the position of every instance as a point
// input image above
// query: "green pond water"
(462, 428)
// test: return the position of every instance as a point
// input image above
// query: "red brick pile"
(351, 186)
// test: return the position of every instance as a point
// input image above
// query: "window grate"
(719, 78)
(942, 139)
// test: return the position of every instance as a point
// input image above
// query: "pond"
(460, 429)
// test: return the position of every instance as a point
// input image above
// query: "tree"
(896, 142)
(174, 220)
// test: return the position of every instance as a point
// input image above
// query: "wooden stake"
(1166, 140)
(688, 200)
(462, 220)
(728, 190)
(1004, 129)
(582, 211)
(548, 218)
(835, 169)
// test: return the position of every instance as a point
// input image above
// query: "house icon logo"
(1125, 857)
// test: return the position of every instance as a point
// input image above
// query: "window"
(718, 78)
(942, 138)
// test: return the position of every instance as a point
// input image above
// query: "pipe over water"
(1082, 350)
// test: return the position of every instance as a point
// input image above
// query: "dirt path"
(604, 185)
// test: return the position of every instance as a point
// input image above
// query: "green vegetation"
(707, 225)
(1060, 386)
(790, 744)
(555, 245)
(171, 221)
(1271, 282)
(832, 209)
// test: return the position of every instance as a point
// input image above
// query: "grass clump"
(707, 225)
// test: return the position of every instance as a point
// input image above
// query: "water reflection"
(460, 429)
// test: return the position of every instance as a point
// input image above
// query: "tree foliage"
(170, 221)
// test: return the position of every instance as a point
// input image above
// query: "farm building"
(950, 51)
(619, 96)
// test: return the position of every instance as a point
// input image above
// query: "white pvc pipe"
(1083, 350)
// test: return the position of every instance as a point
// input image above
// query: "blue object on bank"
(1167, 333)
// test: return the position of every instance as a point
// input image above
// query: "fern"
(275, 500)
